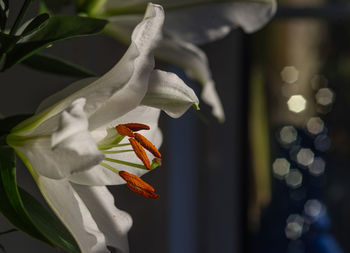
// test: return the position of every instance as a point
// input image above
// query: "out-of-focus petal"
(195, 63)
(195, 21)
(112, 222)
(203, 23)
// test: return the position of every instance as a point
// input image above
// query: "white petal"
(112, 222)
(168, 92)
(96, 92)
(73, 213)
(208, 22)
(100, 175)
(71, 148)
(72, 121)
(211, 97)
(141, 114)
(195, 63)
(118, 91)
(146, 36)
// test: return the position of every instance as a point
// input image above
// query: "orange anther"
(147, 145)
(137, 126)
(123, 130)
(140, 152)
(139, 186)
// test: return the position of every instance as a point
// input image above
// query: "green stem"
(122, 145)
(109, 167)
(20, 16)
(104, 147)
(117, 151)
(126, 163)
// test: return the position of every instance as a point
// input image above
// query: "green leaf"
(48, 224)
(58, 28)
(37, 23)
(25, 212)
(56, 65)
(4, 11)
(11, 203)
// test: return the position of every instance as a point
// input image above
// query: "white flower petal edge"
(100, 203)
(60, 143)
(74, 214)
(168, 92)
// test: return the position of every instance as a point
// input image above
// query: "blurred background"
(273, 178)
(298, 186)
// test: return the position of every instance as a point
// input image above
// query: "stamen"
(139, 186)
(135, 165)
(137, 126)
(147, 145)
(140, 152)
(123, 130)
(116, 151)
(109, 167)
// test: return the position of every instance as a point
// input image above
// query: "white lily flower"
(188, 23)
(74, 145)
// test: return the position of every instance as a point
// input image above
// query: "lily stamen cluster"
(139, 143)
